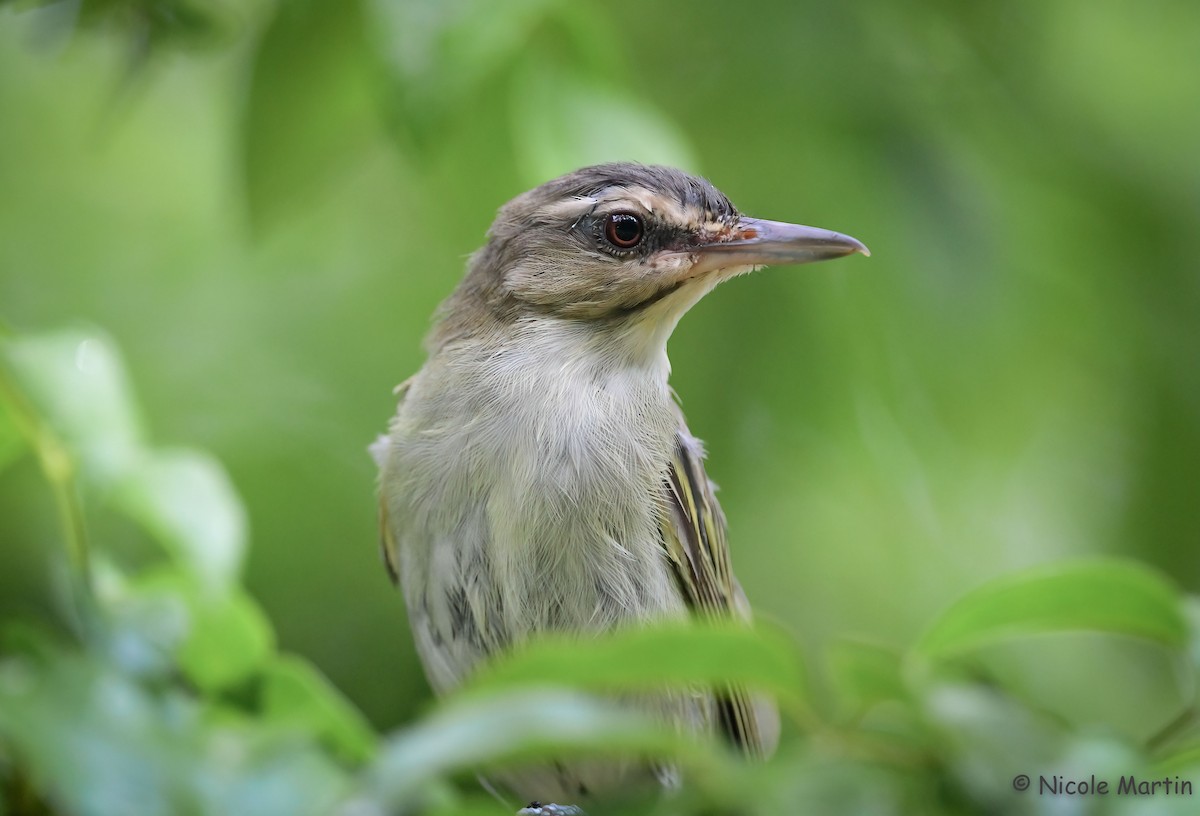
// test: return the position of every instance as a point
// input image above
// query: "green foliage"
(695, 655)
(296, 694)
(142, 712)
(11, 443)
(507, 728)
(308, 108)
(187, 501)
(1121, 598)
(562, 120)
(146, 26)
(414, 67)
(94, 740)
(171, 696)
(76, 379)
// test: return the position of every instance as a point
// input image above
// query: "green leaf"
(227, 637)
(650, 658)
(986, 737)
(1117, 597)
(149, 26)
(310, 107)
(186, 500)
(562, 120)
(1182, 758)
(93, 740)
(521, 726)
(11, 441)
(247, 767)
(863, 674)
(439, 53)
(297, 695)
(148, 621)
(76, 382)
(29, 641)
(96, 742)
(1191, 613)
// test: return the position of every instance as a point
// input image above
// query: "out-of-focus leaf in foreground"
(77, 384)
(1117, 597)
(864, 674)
(11, 442)
(522, 725)
(656, 657)
(228, 635)
(295, 694)
(107, 727)
(98, 743)
(186, 498)
(216, 637)
(74, 382)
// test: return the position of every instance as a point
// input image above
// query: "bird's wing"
(387, 544)
(387, 541)
(693, 534)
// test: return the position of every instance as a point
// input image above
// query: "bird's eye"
(623, 230)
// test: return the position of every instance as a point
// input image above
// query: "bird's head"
(625, 248)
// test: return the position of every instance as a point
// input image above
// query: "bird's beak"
(758, 242)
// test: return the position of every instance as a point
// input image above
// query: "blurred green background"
(263, 204)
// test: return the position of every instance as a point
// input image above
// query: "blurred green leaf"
(94, 741)
(310, 106)
(454, 804)
(562, 120)
(98, 743)
(863, 674)
(21, 639)
(521, 725)
(1183, 756)
(440, 52)
(1118, 597)
(987, 737)
(77, 383)
(248, 767)
(1191, 614)
(297, 695)
(186, 500)
(228, 636)
(148, 25)
(11, 441)
(649, 658)
(148, 621)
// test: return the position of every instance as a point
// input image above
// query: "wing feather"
(387, 542)
(693, 535)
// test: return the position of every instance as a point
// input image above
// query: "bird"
(538, 477)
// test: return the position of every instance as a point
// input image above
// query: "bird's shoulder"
(387, 540)
(694, 536)
(694, 529)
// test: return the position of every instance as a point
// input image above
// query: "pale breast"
(525, 491)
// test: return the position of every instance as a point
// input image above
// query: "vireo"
(538, 476)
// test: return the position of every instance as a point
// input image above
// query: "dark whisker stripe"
(625, 311)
